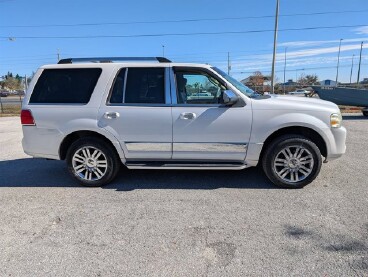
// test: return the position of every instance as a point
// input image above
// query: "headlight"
(335, 120)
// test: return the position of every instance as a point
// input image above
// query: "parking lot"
(182, 223)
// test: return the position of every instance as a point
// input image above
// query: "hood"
(294, 103)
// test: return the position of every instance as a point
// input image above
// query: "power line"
(299, 69)
(180, 20)
(187, 34)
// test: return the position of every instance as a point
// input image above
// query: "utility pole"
(360, 61)
(338, 61)
(274, 47)
(296, 75)
(228, 63)
(352, 65)
(1, 102)
(285, 69)
(58, 55)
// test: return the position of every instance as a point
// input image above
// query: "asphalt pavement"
(182, 223)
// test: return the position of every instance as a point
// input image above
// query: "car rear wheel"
(292, 161)
(92, 162)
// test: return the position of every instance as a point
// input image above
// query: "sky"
(200, 31)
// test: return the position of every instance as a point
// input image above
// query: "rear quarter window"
(69, 86)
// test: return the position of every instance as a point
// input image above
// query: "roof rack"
(112, 59)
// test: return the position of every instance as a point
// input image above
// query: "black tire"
(109, 157)
(365, 113)
(274, 150)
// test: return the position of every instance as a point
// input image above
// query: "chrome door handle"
(111, 115)
(187, 116)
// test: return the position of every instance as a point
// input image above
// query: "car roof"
(122, 64)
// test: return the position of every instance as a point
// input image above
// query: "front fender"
(265, 124)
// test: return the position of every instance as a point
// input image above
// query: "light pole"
(274, 47)
(228, 63)
(360, 61)
(285, 68)
(352, 65)
(163, 51)
(338, 61)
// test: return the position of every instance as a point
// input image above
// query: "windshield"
(241, 87)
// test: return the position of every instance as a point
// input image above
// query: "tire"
(92, 161)
(292, 171)
(365, 113)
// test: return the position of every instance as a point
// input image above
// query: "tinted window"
(118, 89)
(145, 85)
(198, 88)
(65, 85)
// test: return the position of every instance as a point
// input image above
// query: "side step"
(186, 165)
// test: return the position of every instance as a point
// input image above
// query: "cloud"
(361, 30)
(311, 56)
(303, 58)
(320, 51)
(310, 43)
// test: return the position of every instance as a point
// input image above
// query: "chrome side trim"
(148, 146)
(189, 168)
(210, 147)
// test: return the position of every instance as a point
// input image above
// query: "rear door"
(138, 112)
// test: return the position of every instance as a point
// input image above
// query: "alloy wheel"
(89, 163)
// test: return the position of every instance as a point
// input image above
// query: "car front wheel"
(92, 162)
(292, 161)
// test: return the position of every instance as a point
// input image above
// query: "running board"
(185, 165)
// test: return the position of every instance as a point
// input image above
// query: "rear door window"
(145, 85)
(139, 86)
(67, 86)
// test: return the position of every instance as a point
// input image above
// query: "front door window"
(196, 87)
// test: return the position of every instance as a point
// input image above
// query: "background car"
(299, 92)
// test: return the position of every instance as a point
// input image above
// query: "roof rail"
(112, 59)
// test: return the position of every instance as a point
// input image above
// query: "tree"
(256, 80)
(12, 83)
(9, 75)
(307, 80)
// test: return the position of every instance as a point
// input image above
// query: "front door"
(138, 113)
(203, 128)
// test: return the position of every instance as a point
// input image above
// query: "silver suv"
(149, 113)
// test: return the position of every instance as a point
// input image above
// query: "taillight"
(26, 118)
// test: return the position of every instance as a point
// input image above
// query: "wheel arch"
(70, 138)
(309, 133)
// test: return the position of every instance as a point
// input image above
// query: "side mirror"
(229, 97)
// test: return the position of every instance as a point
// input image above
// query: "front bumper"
(337, 143)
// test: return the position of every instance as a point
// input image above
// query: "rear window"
(73, 85)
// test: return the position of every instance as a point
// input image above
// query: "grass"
(10, 110)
